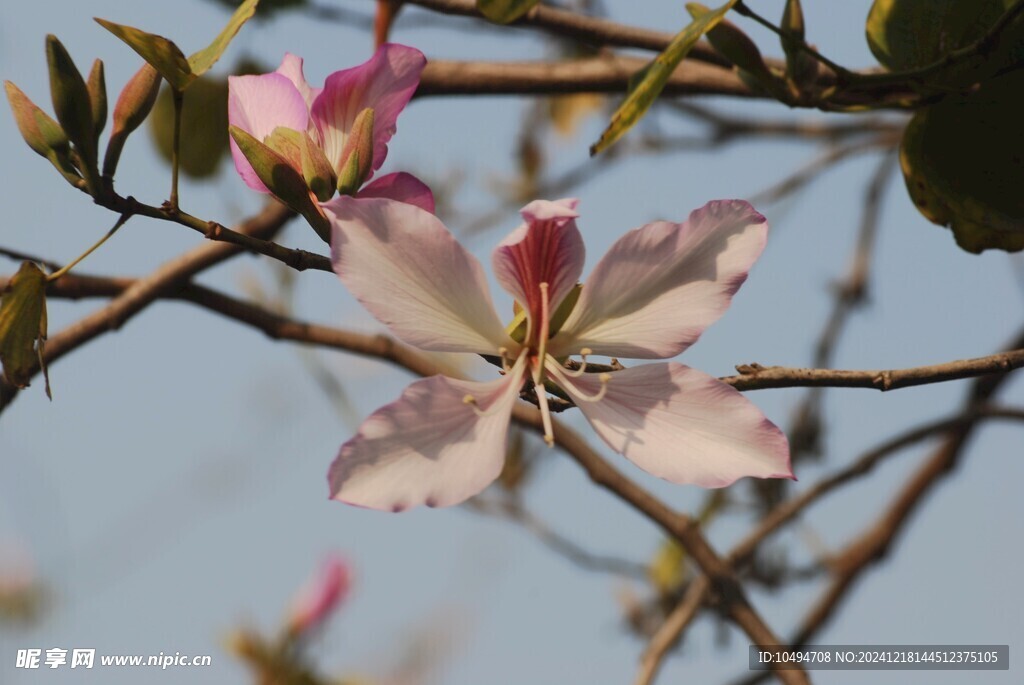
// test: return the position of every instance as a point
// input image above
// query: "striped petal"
(407, 269)
(430, 446)
(661, 285)
(547, 248)
(680, 424)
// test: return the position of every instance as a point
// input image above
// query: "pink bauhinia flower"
(347, 123)
(650, 297)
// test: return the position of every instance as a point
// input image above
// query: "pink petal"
(402, 187)
(410, 272)
(682, 425)
(661, 285)
(291, 68)
(548, 249)
(320, 597)
(258, 105)
(384, 83)
(428, 447)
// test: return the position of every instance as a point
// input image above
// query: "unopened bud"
(42, 133)
(133, 106)
(71, 101)
(97, 86)
(320, 597)
(357, 157)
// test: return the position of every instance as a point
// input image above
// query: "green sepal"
(23, 326)
(564, 309)
(357, 156)
(317, 171)
(283, 180)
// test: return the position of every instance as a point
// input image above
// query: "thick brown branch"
(592, 30)
(605, 74)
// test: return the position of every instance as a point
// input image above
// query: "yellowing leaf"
(163, 54)
(647, 84)
(23, 325)
(201, 61)
(505, 11)
(963, 165)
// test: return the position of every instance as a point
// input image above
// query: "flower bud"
(357, 157)
(71, 100)
(97, 86)
(320, 597)
(133, 106)
(42, 133)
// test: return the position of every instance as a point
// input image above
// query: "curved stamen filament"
(583, 364)
(599, 395)
(503, 353)
(538, 365)
(475, 406)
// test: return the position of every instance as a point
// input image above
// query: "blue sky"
(174, 489)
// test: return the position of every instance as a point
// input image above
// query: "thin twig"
(513, 510)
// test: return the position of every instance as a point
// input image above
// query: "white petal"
(682, 425)
(409, 271)
(428, 447)
(661, 285)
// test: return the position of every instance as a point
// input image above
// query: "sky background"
(174, 489)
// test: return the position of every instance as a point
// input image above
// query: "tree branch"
(757, 377)
(603, 74)
(144, 291)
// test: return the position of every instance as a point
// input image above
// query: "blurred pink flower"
(318, 599)
(334, 116)
(650, 297)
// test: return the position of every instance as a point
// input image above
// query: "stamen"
(538, 366)
(542, 401)
(583, 364)
(599, 395)
(474, 405)
(505, 366)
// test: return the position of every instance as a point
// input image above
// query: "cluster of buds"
(71, 143)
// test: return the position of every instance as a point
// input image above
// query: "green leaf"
(738, 48)
(201, 61)
(162, 53)
(647, 84)
(963, 165)
(204, 119)
(909, 34)
(505, 11)
(23, 325)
